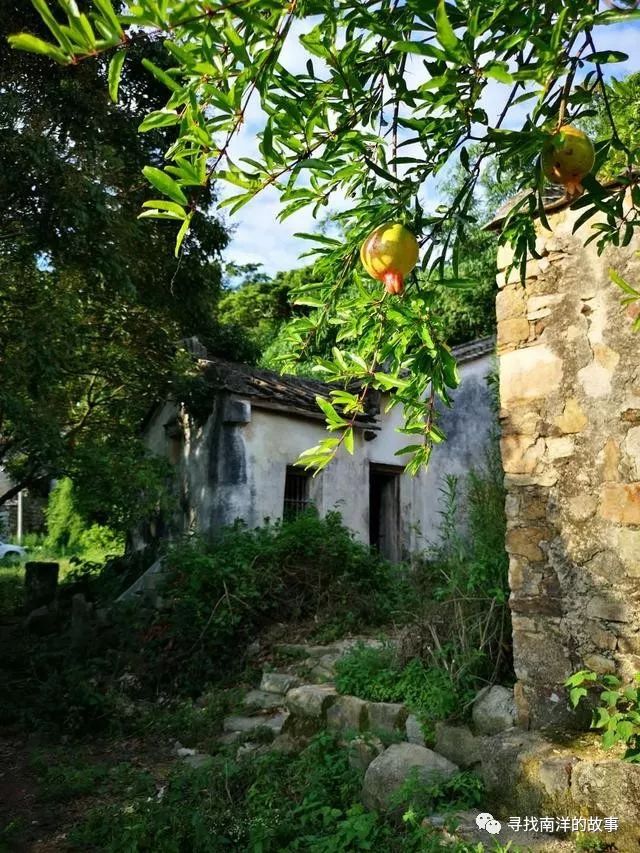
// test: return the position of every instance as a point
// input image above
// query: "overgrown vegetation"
(305, 570)
(275, 802)
(617, 714)
(458, 636)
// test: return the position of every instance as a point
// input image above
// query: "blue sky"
(258, 237)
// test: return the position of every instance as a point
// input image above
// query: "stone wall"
(570, 420)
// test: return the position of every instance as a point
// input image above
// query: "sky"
(259, 238)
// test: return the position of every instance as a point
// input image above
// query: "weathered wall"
(570, 419)
(233, 466)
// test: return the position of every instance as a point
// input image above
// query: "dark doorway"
(384, 510)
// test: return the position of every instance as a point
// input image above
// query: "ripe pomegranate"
(389, 254)
(567, 156)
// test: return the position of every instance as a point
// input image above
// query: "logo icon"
(486, 821)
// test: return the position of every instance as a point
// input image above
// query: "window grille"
(296, 492)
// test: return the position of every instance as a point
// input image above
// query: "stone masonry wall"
(570, 420)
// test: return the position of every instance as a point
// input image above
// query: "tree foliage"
(93, 303)
(390, 93)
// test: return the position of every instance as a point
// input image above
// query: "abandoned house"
(236, 461)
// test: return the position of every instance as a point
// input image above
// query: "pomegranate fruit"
(389, 254)
(567, 156)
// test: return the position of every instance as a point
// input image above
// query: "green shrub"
(223, 592)
(379, 676)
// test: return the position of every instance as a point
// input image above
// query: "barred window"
(296, 492)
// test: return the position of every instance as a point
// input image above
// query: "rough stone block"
(573, 419)
(387, 717)
(347, 713)
(494, 710)
(620, 502)
(512, 332)
(525, 542)
(534, 371)
(609, 608)
(560, 448)
(510, 303)
(458, 744)
(631, 447)
(386, 773)
(362, 751)
(521, 453)
(278, 682)
(413, 729)
(311, 700)
(238, 723)
(262, 699)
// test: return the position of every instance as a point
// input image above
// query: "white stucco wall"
(233, 469)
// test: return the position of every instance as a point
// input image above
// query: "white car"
(9, 553)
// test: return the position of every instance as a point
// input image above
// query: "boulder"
(362, 751)
(200, 759)
(387, 717)
(347, 713)
(262, 699)
(413, 730)
(278, 682)
(458, 744)
(311, 700)
(494, 710)
(386, 773)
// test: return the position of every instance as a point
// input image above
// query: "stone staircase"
(385, 743)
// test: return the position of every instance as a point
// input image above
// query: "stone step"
(248, 725)
(278, 682)
(262, 700)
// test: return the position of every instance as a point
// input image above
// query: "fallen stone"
(262, 699)
(458, 744)
(278, 682)
(386, 773)
(347, 713)
(387, 717)
(362, 751)
(274, 722)
(311, 700)
(413, 729)
(494, 710)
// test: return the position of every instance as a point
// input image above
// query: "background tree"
(92, 299)
(390, 94)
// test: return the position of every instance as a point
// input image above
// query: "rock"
(229, 738)
(311, 700)
(388, 771)
(611, 788)
(184, 751)
(458, 744)
(387, 717)
(262, 699)
(347, 713)
(286, 744)
(200, 759)
(278, 682)
(494, 710)
(362, 751)
(413, 729)
(274, 722)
